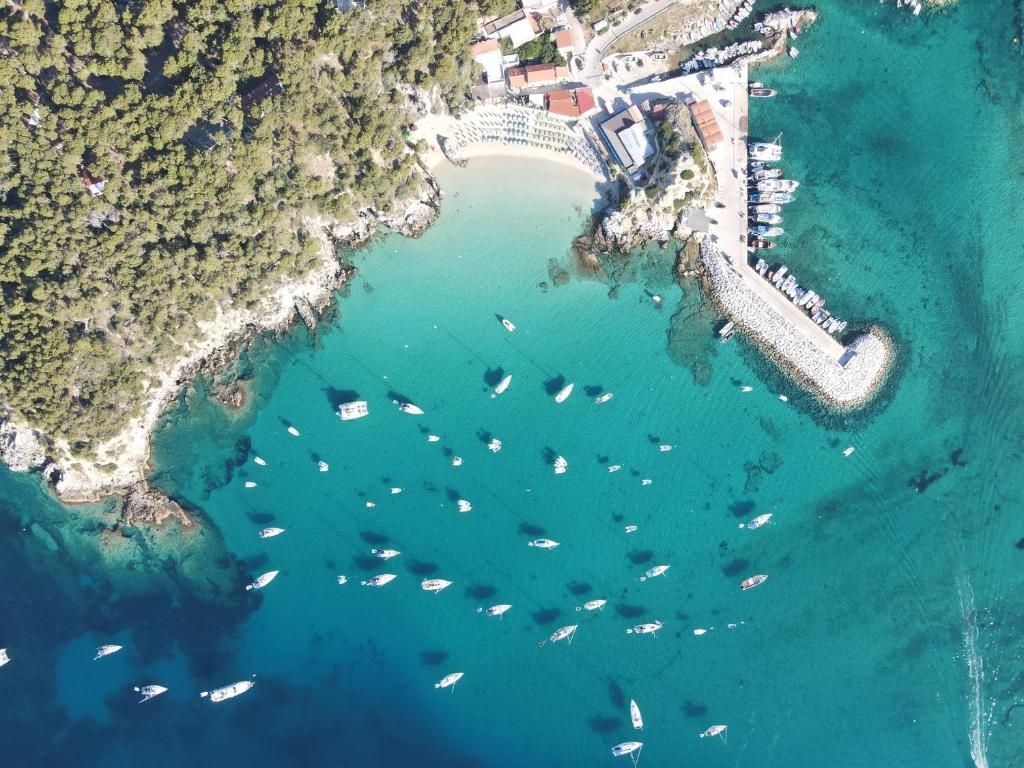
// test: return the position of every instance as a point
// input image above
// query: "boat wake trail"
(979, 718)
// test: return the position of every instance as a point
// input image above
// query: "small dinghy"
(433, 438)
(783, 398)
(269, 533)
(849, 451)
(406, 407)
(604, 398)
(634, 715)
(357, 409)
(665, 448)
(435, 585)
(509, 325)
(456, 461)
(630, 529)
(494, 446)
(562, 633)
(746, 389)
(228, 691)
(149, 691)
(342, 579)
(657, 570)
(503, 385)
(758, 521)
(496, 610)
(753, 581)
(449, 681)
(395, 491)
(614, 467)
(561, 465)
(260, 461)
(379, 580)
(250, 484)
(716, 730)
(385, 554)
(646, 481)
(465, 506)
(323, 465)
(592, 605)
(543, 543)
(263, 580)
(650, 628)
(106, 650)
(293, 431)
(563, 393)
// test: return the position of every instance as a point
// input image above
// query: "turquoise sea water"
(889, 630)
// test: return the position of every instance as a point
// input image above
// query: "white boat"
(259, 461)
(385, 554)
(498, 610)
(793, 52)
(783, 398)
(698, 632)
(449, 681)
(715, 730)
(4, 658)
(650, 628)
(657, 570)
(106, 650)
(503, 385)
(561, 465)
(409, 408)
(228, 691)
(664, 448)
(630, 528)
(509, 325)
(293, 431)
(269, 533)
(646, 481)
(323, 465)
(849, 451)
(767, 208)
(263, 580)
(634, 715)
(250, 484)
(614, 467)
(494, 446)
(760, 150)
(395, 491)
(604, 398)
(543, 543)
(370, 505)
(379, 580)
(776, 185)
(456, 461)
(592, 605)
(342, 579)
(753, 581)
(746, 389)
(627, 748)
(435, 585)
(563, 632)
(465, 506)
(563, 393)
(149, 691)
(354, 410)
(768, 218)
(758, 521)
(433, 438)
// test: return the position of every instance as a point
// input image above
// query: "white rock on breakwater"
(843, 387)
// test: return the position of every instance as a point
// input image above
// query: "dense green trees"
(203, 199)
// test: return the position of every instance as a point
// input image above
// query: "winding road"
(595, 50)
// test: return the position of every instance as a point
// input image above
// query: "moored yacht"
(715, 730)
(665, 448)
(249, 484)
(449, 681)
(657, 570)
(563, 393)
(766, 173)
(630, 529)
(634, 715)
(543, 543)
(354, 410)
(465, 506)
(758, 521)
(498, 610)
(650, 628)
(614, 467)
(762, 150)
(494, 446)
(563, 632)
(106, 650)
(767, 208)
(4, 658)
(293, 431)
(262, 462)
(407, 407)
(509, 325)
(626, 748)
(262, 581)
(603, 398)
(848, 451)
(228, 691)
(758, 90)
(149, 691)
(323, 466)
(503, 385)
(767, 231)
(379, 580)
(753, 581)
(768, 218)
(592, 605)
(385, 554)
(777, 185)
(561, 465)
(435, 585)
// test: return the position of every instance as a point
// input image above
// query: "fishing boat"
(509, 325)
(106, 650)
(149, 691)
(323, 465)
(464, 506)
(848, 451)
(561, 465)
(385, 554)
(727, 331)
(228, 691)
(766, 173)
(657, 570)
(650, 628)
(777, 185)
(4, 658)
(753, 581)
(263, 580)
(353, 410)
(293, 431)
(604, 398)
(433, 438)
(407, 407)
(715, 730)
(456, 461)
(634, 715)
(767, 208)
(630, 529)
(543, 543)
(767, 231)
(627, 748)
(498, 610)
(665, 448)
(768, 218)
(379, 580)
(758, 91)
(758, 521)
(449, 681)
(259, 461)
(614, 467)
(592, 605)
(503, 385)
(563, 632)
(758, 243)
(435, 585)
(762, 150)
(249, 484)
(494, 446)
(770, 197)
(342, 579)
(563, 393)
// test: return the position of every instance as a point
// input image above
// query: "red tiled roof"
(571, 103)
(563, 39)
(485, 46)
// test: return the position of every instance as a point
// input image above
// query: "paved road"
(595, 51)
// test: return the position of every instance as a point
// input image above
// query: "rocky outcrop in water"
(144, 507)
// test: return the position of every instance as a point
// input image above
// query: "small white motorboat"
(650, 628)
(627, 748)
(260, 461)
(543, 543)
(433, 438)
(646, 481)
(561, 465)
(379, 580)
(564, 632)
(269, 533)
(793, 52)
(354, 410)
(323, 465)
(699, 631)
(405, 407)
(342, 579)
(395, 491)
(634, 715)
(503, 385)
(263, 580)
(385, 554)
(250, 484)
(497, 610)
(614, 467)
(293, 431)
(149, 691)
(783, 398)
(228, 691)
(630, 529)
(604, 398)
(753, 581)
(456, 461)
(106, 650)
(657, 570)
(563, 393)
(465, 506)
(4, 658)
(435, 585)
(716, 730)
(592, 605)
(370, 505)
(509, 325)
(758, 521)
(745, 389)
(449, 681)
(494, 446)
(665, 448)
(849, 451)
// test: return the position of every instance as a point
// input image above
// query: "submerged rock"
(144, 507)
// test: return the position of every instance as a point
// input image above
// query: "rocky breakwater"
(846, 385)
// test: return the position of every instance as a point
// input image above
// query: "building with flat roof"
(574, 102)
(487, 53)
(626, 135)
(519, 27)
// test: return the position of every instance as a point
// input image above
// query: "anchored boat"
(509, 325)
(758, 521)
(106, 650)
(753, 581)
(149, 691)
(385, 554)
(563, 632)
(592, 605)
(716, 730)
(634, 715)
(228, 691)
(543, 543)
(563, 393)
(650, 628)
(435, 585)
(269, 533)
(561, 465)
(407, 407)
(604, 398)
(449, 681)
(354, 410)
(498, 610)
(379, 580)
(657, 570)
(503, 385)
(263, 580)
